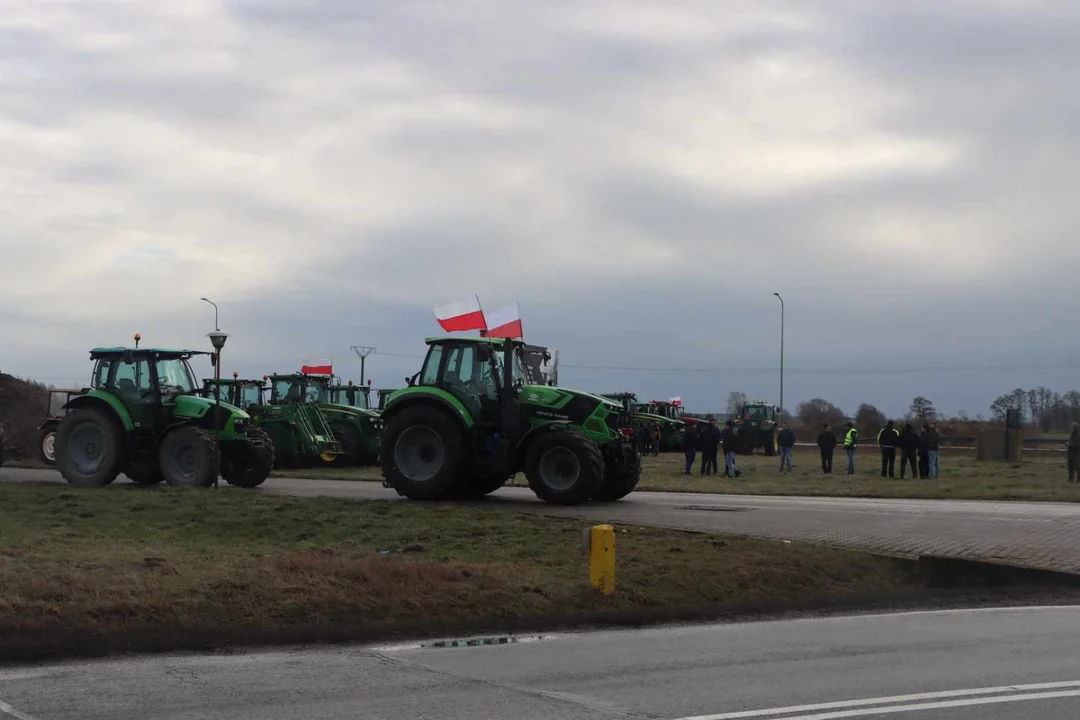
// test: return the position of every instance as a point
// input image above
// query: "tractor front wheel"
(349, 439)
(423, 453)
(621, 476)
(88, 447)
(249, 463)
(564, 467)
(189, 457)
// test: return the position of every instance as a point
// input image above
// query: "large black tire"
(479, 486)
(564, 467)
(349, 438)
(189, 457)
(619, 480)
(250, 465)
(89, 445)
(46, 447)
(423, 453)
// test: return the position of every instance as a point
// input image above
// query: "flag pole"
(483, 332)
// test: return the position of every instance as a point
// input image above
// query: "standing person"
(909, 448)
(924, 451)
(785, 439)
(826, 442)
(690, 446)
(851, 441)
(888, 439)
(1072, 450)
(642, 439)
(730, 441)
(933, 449)
(710, 441)
(655, 439)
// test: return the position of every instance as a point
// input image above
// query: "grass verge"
(89, 572)
(962, 478)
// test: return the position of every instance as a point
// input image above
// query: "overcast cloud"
(641, 176)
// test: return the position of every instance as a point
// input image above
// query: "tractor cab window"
(315, 390)
(520, 370)
(430, 374)
(217, 392)
(249, 395)
(174, 374)
(288, 391)
(131, 379)
(100, 378)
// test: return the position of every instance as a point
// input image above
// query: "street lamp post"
(781, 354)
(216, 327)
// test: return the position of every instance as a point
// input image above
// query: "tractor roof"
(104, 352)
(233, 381)
(478, 340)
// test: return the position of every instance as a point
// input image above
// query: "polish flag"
(504, 323)
(676, 400)
(317, 367)
(461, 316)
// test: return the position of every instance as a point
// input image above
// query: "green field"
(1044, 478)
(129, 568)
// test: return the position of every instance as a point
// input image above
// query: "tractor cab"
(357, 396)
(236, 391)
(356, 428)
(542, 365)
(384, 397)
(147, 381)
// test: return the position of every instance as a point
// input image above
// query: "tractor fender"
(426, 395)
(532, 435)
(50, 422)
(173, 426)
(103, 401)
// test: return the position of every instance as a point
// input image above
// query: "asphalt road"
(1012, 664)
(1043, 535)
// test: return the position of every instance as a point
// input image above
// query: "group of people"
(919, 451)
(709, 440)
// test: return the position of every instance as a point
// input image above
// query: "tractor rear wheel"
(88, 447)
(189, 457)
(620, 479)
(564, 467)
(423, 453)
(249, 463)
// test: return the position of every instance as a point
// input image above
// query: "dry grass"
(1043, 478)
(86, 571)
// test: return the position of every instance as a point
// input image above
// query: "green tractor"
(143, 416)
(356, 429)
(384, 397)
(300, 433)
(639, 415)
(471, 419)
(757, 427)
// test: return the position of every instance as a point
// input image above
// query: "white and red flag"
(317, 367)
(461, 316)
(676, 400)
(504, 323)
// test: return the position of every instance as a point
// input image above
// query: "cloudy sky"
(641, 176)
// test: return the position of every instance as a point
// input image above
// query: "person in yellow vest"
(851, 441)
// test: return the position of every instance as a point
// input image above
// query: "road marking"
(12, 712)
(890, 705)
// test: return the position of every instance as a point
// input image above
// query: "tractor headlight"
(240, 426)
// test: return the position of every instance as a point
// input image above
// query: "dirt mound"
(22, 406)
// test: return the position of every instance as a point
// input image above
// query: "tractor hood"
(362, 412)
(195, 406)
(557, 396)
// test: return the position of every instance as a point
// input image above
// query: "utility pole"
(781, 354)
(362, 351)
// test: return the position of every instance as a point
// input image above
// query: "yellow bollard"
(598, 542)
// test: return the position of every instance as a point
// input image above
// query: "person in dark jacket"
(888, 439)
(730, 441)
(933, 448)
(710, 444)
(826, 442)
(785, 440)
(909, 449)
(1072, 452)
(690, 447)
(924, 451)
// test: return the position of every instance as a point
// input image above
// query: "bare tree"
(922, 409)
(819, 411)
(735, 401)
(869, 419)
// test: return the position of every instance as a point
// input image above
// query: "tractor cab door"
(133, 383)
(458, 369)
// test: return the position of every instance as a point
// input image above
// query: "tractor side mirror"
(127, 358)
(483, 354)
